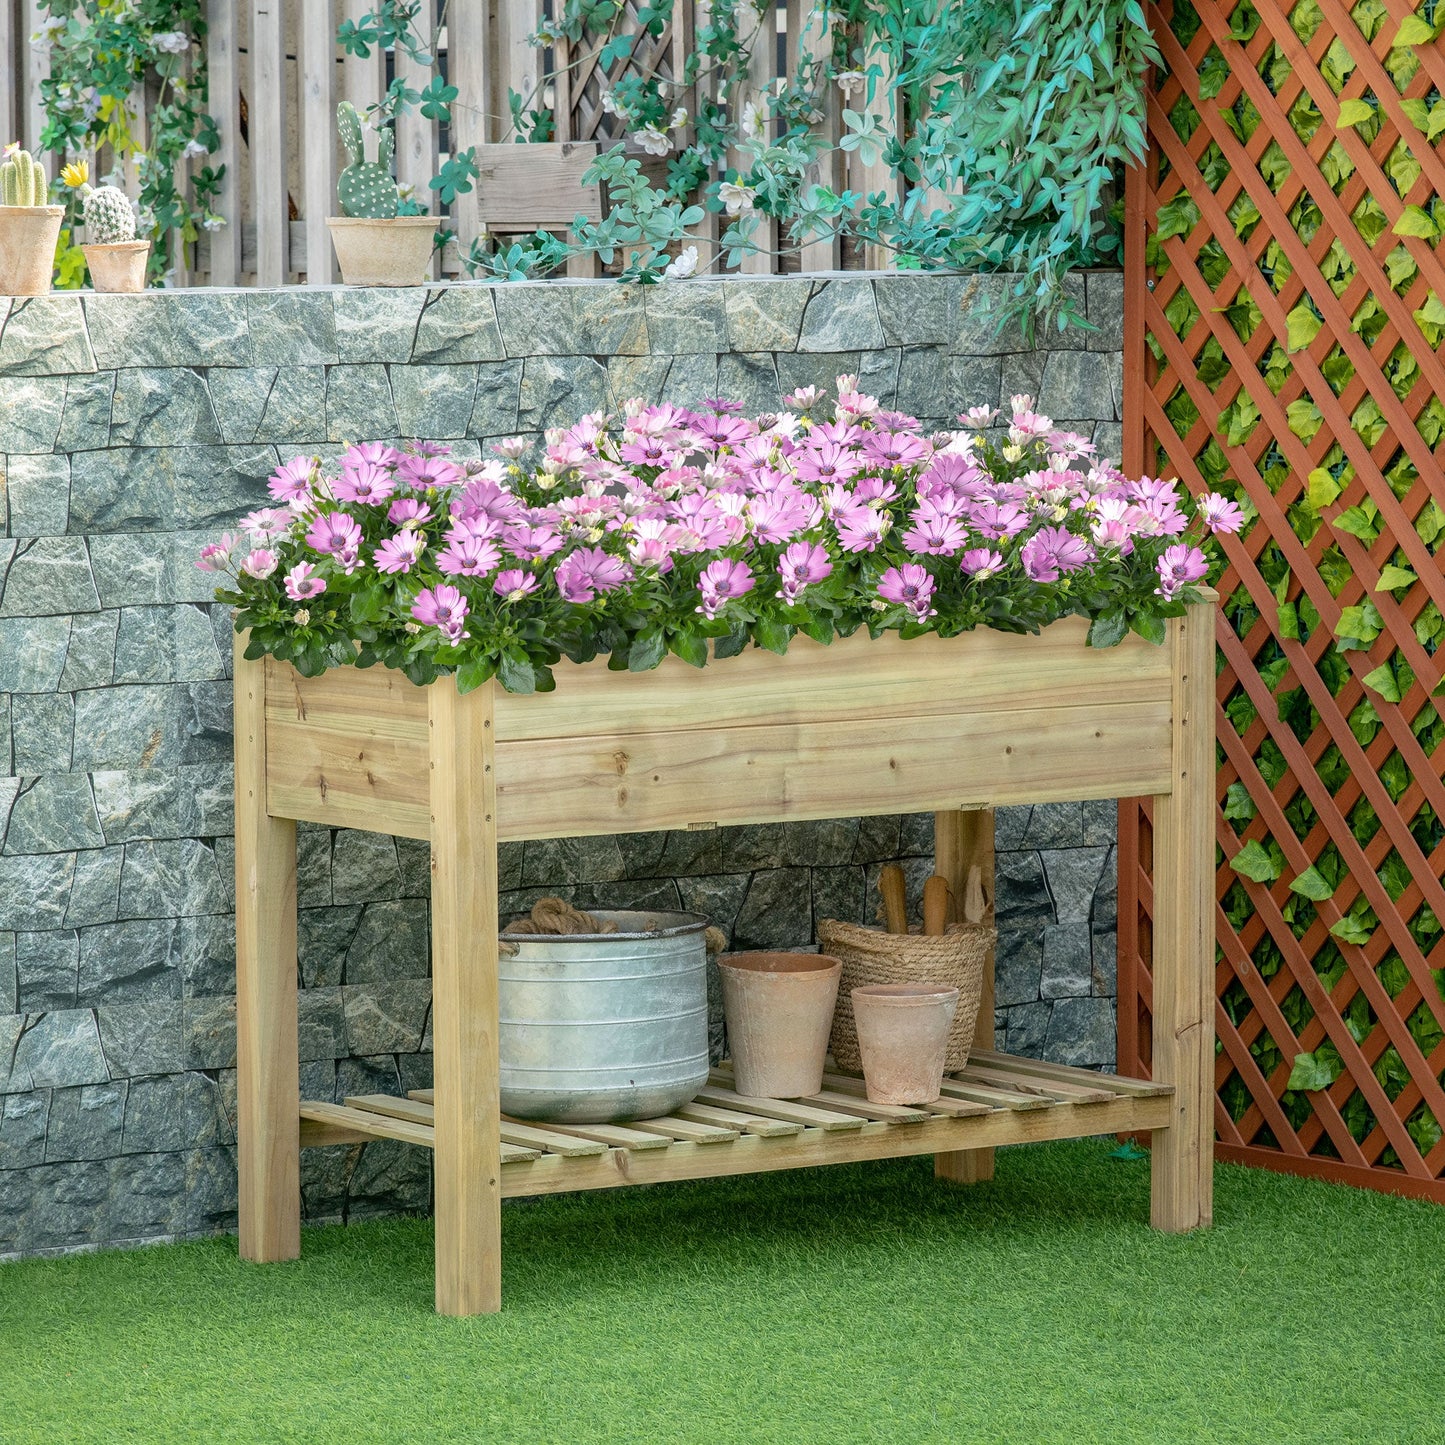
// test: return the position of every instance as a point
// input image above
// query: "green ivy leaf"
(1352, 112)
(1414, 30)
(775, 636)
(474, 672)
(1416, 221)
(1313, 1072)
(1255, 863)
(1392, 577)
(1312, 884)
(1303, 326)
(1351, 929)
(1383, 681)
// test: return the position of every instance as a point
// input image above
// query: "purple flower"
(803, 563)
(333, 534)
(532, 544)
(261, 563)
(430, 470)
(1179, 566)
(370, 454)
(996, 519)
(465, 556)
(582, 574)
(514, 584)
(720, 582)
(398, 553)
(981, 562)
(1052, 551)
(1219, 514)
(216, 556)
(860, 528)
(442, 607)
(301, 583)
(910, 585)
(267, 522)
(364, 483)
(407, 512)
(291, 481)
(934, 532)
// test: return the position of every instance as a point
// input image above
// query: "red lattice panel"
(1285, 309)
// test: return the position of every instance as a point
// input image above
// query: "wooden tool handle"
(935, 906)
(895, 898)
(974, 905)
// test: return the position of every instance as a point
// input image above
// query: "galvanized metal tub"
(604, 1027)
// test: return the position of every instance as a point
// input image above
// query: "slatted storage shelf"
(952, 726)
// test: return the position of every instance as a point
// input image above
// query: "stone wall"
(133, 428)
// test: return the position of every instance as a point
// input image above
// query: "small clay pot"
(779, 1008)
(27, 248)
(118, 265)
(395, 251)
(903, 1037)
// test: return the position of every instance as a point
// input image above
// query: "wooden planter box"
(955, 727)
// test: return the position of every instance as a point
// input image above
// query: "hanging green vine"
(102, 54)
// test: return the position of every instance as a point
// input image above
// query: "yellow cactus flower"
(76, 174)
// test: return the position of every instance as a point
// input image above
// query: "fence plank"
(10, 42)
(317, 64)
(36, 67)
(268, 140)
(467, 69)
(416, 135)
(224, 103)
(810, 37)
(758, 34)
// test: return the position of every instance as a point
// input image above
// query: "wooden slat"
(363, 79)
(267, 103)
(994, 1096)
(373, 1124)
(810, 34)
(1048, 1089)
(873, 1140)
(9, 73)
(220, 251)
(381, 1116)
(615, 1136)
(36, 64)
(553, 1141)
(792, 1113)
(317, 64)
(468, 58)
(1038, 1068)
(416, 135)
(267, 1089)
(854, 1087)
(835, 1101)
(686, 1129)
(390, 1105)
(736, 1119)
(536, 185)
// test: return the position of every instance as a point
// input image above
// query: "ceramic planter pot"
(903, 1037)
(118, 265)
(779, 1008)
(391, 252)
(27, 248)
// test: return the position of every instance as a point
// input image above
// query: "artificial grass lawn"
(857, 1303)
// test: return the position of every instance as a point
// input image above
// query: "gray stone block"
(90, 653)
(359, 404)
(149, 567)
(208, 952)
(821, 369)
(980, 299)
(294, 327)
(171, 328)
(415, 857)
(392, 941)
(34, 891)
(1106, 965)
(691, 378)
(160, 489)
(54, 813)
(1068, 961)
(8, 984)
(133, 961)
(85, 424)
(321, 1023)
(95, 889)
(147, 1198)
(879, 839)
(39, 490)
(32, 652)
(211, 1188)
(826, 842)
(209, 1032)
(1101, 819)
(45, 336)
(364, 868)
(973, 381)
(718, 897)
(644, 895)
(639, 376)
(841, 316)
(458, 324)
(765, 313)
(128, 727)
(205, 721)
(30, 411)
(750, 378)
(1055, 825)
(498, 393)
(386, 1017)
(137, 803)
(684, 316)
(42, 727)
(434, 402)
(915, 834)
(23, 1119)
(162, 407)
(313, 866)
(270, 404)
(610, 320)
(1081, 1033)
(878, 376)
(839, 893)
(917, 310)
(1104, 307)
(1075, 384)
(1023, 894)
(156, 1114)
(1023, 374)
(322, 938)
(1073, 875)
(85, 1123)
(46, 970)
(376, 323)
(170, 878)
(1026, 1029)
(1018, 966)
(547, 861)
(926, 383)
(1109, 440)
(537, 319)
(777, 911)
(49, 576)
(556, 390)
(1104, 915)
(56, 1050)
(141, 1038)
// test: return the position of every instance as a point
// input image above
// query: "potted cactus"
(377, 242)
(117, 261)
(29, 228)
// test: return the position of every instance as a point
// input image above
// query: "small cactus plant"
(108, 215)
(22, 179)
(365, 188)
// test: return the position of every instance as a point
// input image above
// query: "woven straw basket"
(954, 959)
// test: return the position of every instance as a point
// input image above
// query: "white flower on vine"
(212, 223)
(678, 118)
(751, 124)
(611, 106)
(194, 149)
(44, 36)
(171, 42)
(684, 265)
(652, 140)
(736, 198)
(850, 81)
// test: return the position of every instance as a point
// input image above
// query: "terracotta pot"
(779, 1008)
(118, 265)
(903, 1037)
(391, 252)
(27, 248)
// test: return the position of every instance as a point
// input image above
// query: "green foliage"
(113, 65)
(365, 188)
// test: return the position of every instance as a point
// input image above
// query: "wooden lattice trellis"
(1286, 300)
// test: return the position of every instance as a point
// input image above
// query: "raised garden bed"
(860, 727)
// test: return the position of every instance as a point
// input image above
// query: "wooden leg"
(467, 1159)
(962, 840)
(268, 1095)
(1182, 1168)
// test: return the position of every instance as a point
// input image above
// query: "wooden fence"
(1285, 305)
(276, 74)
